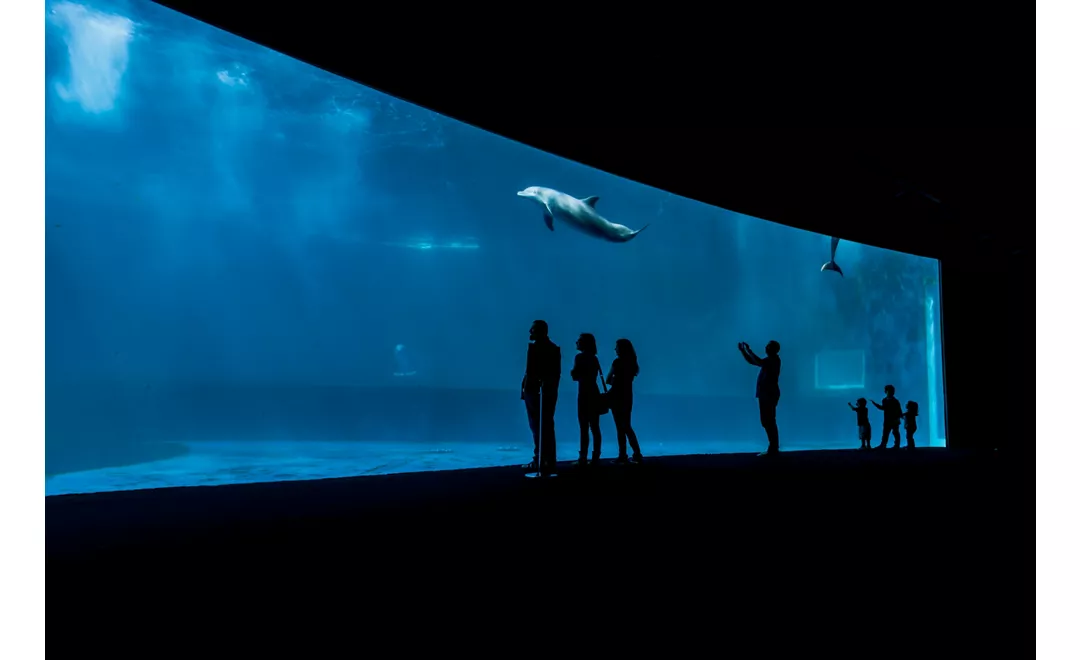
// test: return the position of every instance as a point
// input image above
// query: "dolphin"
(832, 258)
(580, 214)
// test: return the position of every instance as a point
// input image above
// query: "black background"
(804, 115)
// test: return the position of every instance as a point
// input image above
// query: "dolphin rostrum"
(832, 258)
(580, 214)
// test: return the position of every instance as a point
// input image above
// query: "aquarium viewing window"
(260, 271)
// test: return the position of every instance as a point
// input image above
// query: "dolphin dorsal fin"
(591, 201)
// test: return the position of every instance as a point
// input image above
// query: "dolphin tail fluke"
(833, 267)
(625, 234)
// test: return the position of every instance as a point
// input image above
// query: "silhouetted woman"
(621, 396)
(586, 369)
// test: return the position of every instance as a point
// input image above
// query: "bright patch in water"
(97, 55)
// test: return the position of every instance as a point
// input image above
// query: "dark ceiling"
(899, 129)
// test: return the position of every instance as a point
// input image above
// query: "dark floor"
(907, 551)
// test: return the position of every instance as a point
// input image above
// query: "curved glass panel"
(259, 271)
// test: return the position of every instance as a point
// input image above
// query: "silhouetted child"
(862, 418)
(911, 412)
(891, 422)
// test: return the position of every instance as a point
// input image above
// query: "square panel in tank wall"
(840, 370)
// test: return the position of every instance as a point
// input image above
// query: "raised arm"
(748, 354)
(877, 405)
(850, 406)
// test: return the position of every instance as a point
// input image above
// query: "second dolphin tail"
(832, 266)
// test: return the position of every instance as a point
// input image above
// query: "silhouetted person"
(862, 418)
(624, 369)
(768, 390)
(586, 369)
(540, 392)
(891, 422)
(910, 413)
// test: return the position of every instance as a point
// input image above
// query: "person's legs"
(584, 421)
(630, 435)
(773, 433)
(594, 423)
(532, 408)
(896, 436)
(618, 416)
(767, 412)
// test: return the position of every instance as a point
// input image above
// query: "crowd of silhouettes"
(892, 416)
(540, 392)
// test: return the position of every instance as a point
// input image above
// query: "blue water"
(258, 271)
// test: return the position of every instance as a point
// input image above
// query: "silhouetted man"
(540, 391)
(768, 390)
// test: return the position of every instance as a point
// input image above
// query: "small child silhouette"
(862, 418)
(891, 421)
(910, 413)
